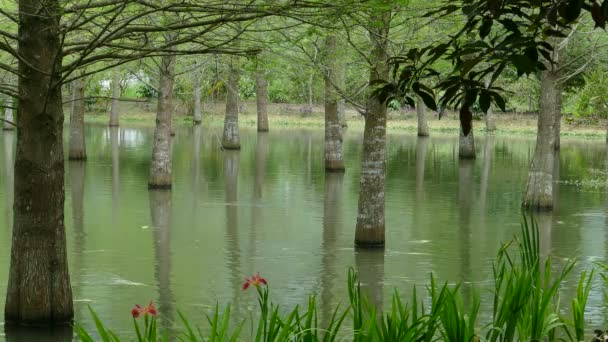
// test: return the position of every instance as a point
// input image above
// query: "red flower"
(256, 281)
(139, 310)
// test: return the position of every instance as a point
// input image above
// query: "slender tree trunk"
(261, 92)
(160, 166)
(77, 150)
(466, 144)
(114, 110)
(539, 189)
(334, 156)
(558, 114)
(370, 215)
(231, 139)
(341, 82)
(490, 123)
(423, 126)
(8, 115)
(198, 108)
(39, 290)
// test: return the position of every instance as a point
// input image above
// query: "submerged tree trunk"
(77, 150)
(8, 115)
(39, 290)
(539, 189)
(423, 127)
(198, 108)
(160, 166)
(466, 144)
(261, 94)
(334, 156)
(114, 113)
(231, 139)
(370, 215)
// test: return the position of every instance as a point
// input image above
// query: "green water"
(271, 208)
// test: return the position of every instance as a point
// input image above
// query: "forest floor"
(296, 116)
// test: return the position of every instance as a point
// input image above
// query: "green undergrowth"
(526, 306)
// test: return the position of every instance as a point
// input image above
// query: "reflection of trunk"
(545, 222)
(9, 168)
(490, 124)
(62, 333)
(77, 149)
(370, 216)
(488, 151)
(231, 173)
(160, 214)
(160, 166)
(334, 157)
(465, 192)
(198, 107)
(114, 111)
(261, 153)
(261, 94)
(231, 139)
(8, 115)
(421, 147)
(539, 189)
(466, 144)
(39, 290)
(332, 221)
(369, 264)
(423, 127)
(114, 131)
(77, 180)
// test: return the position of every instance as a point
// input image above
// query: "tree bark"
(539, 188)
(261, 94)
(160, 166)
(423, 127)
(558, 114)
(8, 115)
(198, 108)
(231, 139)
(341, 83)
(334, 156)
(490, 123)
(77, 150)
(39, 290)
(370, 215)
(114, 110)
(466, 144)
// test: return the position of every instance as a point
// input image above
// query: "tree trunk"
(160, 166)
(77, 150)
(39, 290)
(198, 108)
(114, 113)
(231, 139)
(341, 84)
(9, 168)
(370, 215)
(334, 156)
(558, 114)
(466, 144)
(261, 94)
(490, 123)
(539, 189)
(423, 127)
(8, 115)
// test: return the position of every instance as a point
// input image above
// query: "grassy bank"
(399, 121)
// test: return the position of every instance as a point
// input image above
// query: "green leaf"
(428, 99)
(486, 27)
(570, 10)
(484, 101)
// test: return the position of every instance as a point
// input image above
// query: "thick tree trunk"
(466, 144)
(114, 110)
(77, 150)
(334, 156)
(539, 189)
(261, 94)
(8, 115)
(39, 290)
(198, 107)
(160, 166)
(370, 215)
(423, 126)
(231, 139)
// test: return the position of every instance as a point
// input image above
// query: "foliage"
(526, 307)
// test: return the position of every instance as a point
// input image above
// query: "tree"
(77, 150)
(231, 139)
(261, 92)
(370, 215)
(114, 110)
(334, 156)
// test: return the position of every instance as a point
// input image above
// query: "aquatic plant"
(526, 307)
